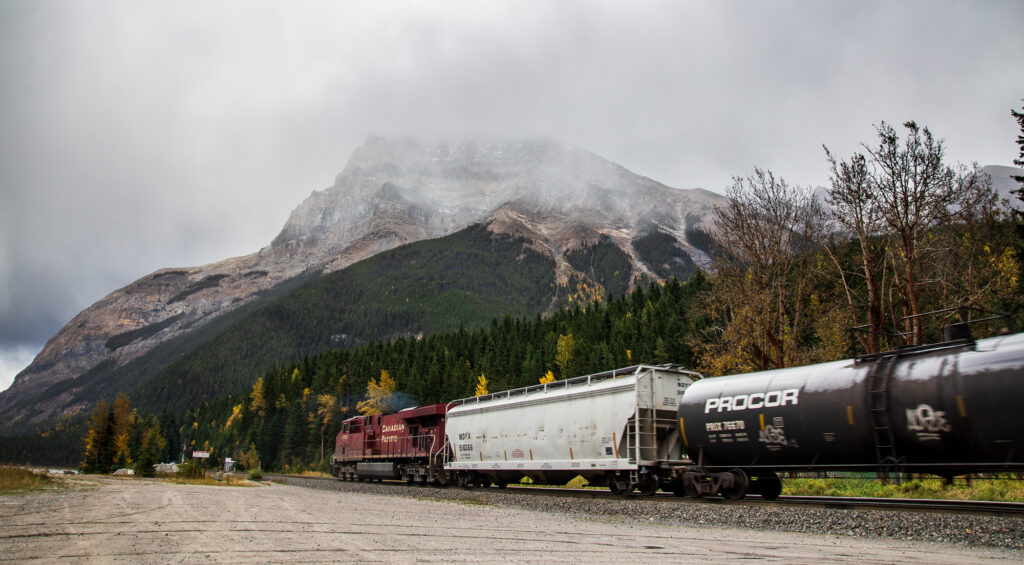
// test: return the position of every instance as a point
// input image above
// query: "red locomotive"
(406, 445)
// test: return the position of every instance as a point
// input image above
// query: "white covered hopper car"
(617, 428)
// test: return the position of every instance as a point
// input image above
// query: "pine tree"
(1019, 213)
(152, 446)
(97, 456)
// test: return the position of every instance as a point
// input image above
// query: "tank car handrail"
(915, 350)
(956, 333)
(584, 379)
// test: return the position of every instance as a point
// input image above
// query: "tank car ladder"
(881, 420)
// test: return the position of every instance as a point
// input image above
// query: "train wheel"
(769, 486)
(690, 480)
(649, 484)
(615, 486)
(501, 484)
(468, 479)
(685, 490)
(485, 482)
(691, 491)
(738, 488)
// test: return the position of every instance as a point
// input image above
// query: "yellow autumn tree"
(481, 385)
(236, 412)
(326, 411)
(122, 425)
(377, 395)
(548, 377)
(257, 402)
(564, 357)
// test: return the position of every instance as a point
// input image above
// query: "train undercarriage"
(413, 471)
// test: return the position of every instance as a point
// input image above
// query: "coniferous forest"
(291, 415)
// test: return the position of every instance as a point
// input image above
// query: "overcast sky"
(140, 135)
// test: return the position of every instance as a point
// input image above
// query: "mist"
(142, 135)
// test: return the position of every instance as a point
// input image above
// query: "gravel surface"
(964, 529)
(142, 521)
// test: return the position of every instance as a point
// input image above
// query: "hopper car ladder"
(642, 429)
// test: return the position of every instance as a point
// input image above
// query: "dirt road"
(141, 521)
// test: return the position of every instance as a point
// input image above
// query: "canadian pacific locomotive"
(407, 445)
(944, 409)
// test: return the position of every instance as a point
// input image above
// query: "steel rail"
(861, 503)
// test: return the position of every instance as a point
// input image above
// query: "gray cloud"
(140, 135)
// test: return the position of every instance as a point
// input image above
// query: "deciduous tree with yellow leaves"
(481, 385)
(378, 393)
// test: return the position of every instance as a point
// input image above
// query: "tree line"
(119, 437)
(901, 239)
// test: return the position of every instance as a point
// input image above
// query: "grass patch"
(998, 490)
(462, 501)
(18, 479)
(209, 481)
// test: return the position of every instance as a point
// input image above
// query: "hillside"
(603, 229)
(462, 280)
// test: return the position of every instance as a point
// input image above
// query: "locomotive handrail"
(397, 448)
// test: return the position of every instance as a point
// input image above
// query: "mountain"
(1003, 183)
(600, 227)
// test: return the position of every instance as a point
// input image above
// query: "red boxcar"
(406, 445)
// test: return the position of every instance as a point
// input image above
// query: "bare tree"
(856, 212)
(902, 196)
(770, 233)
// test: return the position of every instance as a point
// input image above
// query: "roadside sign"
(200, 454)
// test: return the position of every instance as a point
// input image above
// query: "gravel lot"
(142, 521)
(974, 530)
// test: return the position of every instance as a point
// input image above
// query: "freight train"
(944, 409)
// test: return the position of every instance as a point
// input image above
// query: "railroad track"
(909, 504)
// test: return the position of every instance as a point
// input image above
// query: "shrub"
(256, 474)
(15, 479)
(577, 482)
(191, 469)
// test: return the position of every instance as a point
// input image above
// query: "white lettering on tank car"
(927, 421)
(753, 401)
(773, 436)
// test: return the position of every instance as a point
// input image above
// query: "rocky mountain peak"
(391, 192)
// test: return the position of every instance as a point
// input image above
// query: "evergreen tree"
(150, 449)
(97, 456)
(1019, 212)
(169, 430)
